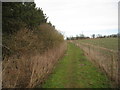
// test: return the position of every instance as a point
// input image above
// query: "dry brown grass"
(29, 71)
(106, 59)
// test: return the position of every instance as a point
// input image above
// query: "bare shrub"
(30, 55)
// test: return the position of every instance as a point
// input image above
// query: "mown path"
(75, 71)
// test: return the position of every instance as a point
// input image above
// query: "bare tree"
(93, 35)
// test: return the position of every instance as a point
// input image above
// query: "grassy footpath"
(75, 71)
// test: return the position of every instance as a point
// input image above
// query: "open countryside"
(35, 54)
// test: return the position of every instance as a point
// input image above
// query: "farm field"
(109, 43)
(75, 71)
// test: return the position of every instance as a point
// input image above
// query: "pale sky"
(74, 17)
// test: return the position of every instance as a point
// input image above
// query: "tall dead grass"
(106, 59)
(30, 70)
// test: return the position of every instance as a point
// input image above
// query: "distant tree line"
(82, 36)
(105, 36)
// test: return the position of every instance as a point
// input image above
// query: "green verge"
(75, 71)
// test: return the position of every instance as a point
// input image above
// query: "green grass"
(110, 43)
(75, 71)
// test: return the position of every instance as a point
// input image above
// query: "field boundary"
(114, 51)
(30, 70)
(106, 59)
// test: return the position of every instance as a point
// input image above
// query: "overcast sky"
(73, 17)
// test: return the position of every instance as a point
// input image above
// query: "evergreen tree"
(17, 15)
